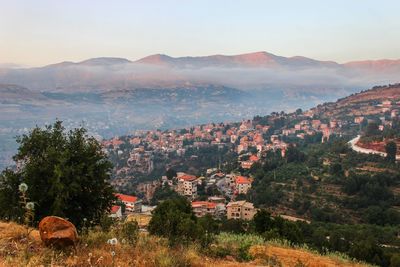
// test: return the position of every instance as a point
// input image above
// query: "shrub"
(94, 237)
(129, 232)
(237, 245)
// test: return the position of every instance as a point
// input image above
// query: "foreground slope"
(17, 250)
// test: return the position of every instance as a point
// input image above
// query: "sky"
(40, 32)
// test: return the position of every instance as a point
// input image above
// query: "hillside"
(17, 250)
(365, 103)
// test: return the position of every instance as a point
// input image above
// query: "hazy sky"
(39, 32)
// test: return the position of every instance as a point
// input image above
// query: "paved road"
(356, 148)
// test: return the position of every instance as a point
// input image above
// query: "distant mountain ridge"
(260, 59)
(255, 60)
(259, 70)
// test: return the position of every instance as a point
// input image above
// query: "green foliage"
(170, 173)
(391, 150)
(368, 250)
(236, 245)
(293, 154)
(129, 232)
(234, 226)
(372, 130)
(381, 215)
(175, 220)
(277, 227)
(263, 221)
(106, 222)
(163, 193)
(395, 260)
(10, 207)
(67, 174)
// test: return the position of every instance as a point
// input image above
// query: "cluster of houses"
(139, 151)
(231, 185)
(126, 204)
(214, 206)
(249, 139)
(239, 210)
(387, 107)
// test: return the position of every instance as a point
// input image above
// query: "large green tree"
(391, 151)
(66, 172)
(175, 220)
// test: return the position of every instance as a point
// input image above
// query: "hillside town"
(249, 141)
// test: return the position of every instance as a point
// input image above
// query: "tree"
(372, 129)
(391, 151)
(66, 172)
(262, 221)
(162, 193)
(293, 154)
(175, 220)
(170, 173)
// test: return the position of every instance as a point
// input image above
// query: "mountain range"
(260, 71)
(115, 96)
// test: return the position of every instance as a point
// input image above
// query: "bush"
(95, 237)
(129, 231)
(236, 245)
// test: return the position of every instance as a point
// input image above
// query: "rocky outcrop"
(57, 232)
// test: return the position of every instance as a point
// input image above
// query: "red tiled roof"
(242, 180)
(115, 209)
(253, 158)
(188, 177)
(210, 205)
(126, 198)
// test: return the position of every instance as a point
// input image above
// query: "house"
(242, 185)
(254, 158)
(240, 210)
(216, 199)
(315, 123)
(358, 120)
(187, 185)
(132, 203)
(387, 104)
(246, 164)
(333, 124)
(274, 137)
(116, 212)
(202, 208)
(230, 179)
(242, 148)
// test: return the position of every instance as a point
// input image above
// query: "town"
(220, 189)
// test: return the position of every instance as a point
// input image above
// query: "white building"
(187, 185)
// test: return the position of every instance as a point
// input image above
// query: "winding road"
(353, 145)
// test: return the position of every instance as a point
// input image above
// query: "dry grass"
(93, 250)
(298, 257)
(143, 220)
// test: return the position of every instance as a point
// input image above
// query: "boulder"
(57, 232)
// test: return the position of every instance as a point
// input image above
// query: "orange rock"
(57, 232)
